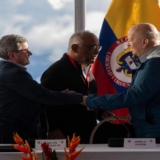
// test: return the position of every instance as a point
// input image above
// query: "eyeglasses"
(92, 48)
(23, 50)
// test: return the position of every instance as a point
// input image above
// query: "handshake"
(84, 101)
(72, 92)
(104, 113)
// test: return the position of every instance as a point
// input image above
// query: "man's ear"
(145, 42)
(74, 47)
(11, 55)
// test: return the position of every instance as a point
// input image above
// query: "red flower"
(47, 151)
(24, 147)
(72, 144)
(18, 139)
(48, 154)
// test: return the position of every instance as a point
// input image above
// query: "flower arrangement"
(47, 153)
(24, 147)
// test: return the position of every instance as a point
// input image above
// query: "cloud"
(47, 25)
(94, 24)
(58, 4)
(52, 34)
(17, 22)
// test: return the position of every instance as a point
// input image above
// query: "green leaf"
(54, 155)
(43, 157)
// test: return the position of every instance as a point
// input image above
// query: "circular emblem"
(119, 64)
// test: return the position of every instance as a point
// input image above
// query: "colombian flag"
(113, 67)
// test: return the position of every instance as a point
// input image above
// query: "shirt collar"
(19, 65)
(143, 58)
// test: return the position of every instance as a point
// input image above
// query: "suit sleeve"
(22, 83)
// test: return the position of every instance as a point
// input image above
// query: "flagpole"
(79, 15)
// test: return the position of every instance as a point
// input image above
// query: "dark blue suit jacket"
(21, 96)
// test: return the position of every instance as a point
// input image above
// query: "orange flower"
(24, 147)
(73, 143)
(73, 155)
(72, 148)
(18, 139)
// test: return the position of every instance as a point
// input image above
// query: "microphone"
(47, 125)
(128, 131)
(111, 141)
(118, 142)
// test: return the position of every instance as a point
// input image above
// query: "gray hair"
(10, 43)
(77, 37)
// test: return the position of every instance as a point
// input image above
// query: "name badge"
(139, 143)
(53, 144)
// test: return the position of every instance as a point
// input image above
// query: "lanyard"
(82, 77)
(87, 75)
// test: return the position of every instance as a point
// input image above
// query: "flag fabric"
(113, 66)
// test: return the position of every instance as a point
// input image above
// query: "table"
(98, 152)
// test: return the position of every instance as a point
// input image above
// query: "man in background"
(67, 72)
(20, 95)
(143, 95)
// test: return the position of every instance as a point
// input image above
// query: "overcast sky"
(47, 24)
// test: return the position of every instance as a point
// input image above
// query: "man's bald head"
(142, 37)
(146, 30)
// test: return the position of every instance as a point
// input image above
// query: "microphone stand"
(47, 125)
(118, 142)
(128, 131)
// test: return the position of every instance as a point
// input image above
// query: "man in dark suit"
(21, 96)
(67, 73)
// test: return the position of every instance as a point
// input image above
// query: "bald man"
(143, 95)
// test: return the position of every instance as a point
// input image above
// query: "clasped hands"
(107, 113)
(84, 101)
(84, 97)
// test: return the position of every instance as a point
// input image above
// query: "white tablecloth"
(98, 152)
